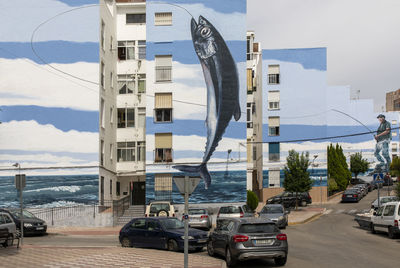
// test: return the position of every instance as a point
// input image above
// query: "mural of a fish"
(221, 77)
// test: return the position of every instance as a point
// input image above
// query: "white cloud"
(41, 157)
(19, 18)
(361, 35)
(33, 85)
(31, 136)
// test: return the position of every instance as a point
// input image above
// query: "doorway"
(138, 193)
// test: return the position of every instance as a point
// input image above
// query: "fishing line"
(353, 119)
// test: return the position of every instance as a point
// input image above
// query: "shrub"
(332, 185)
(252, 200)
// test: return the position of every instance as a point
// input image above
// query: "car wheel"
(280, 261)
(162, 213)
(210, 248)
(303, 203)
(391, 233)
(172, 245)
(230, 260)
(373, 228)
(126, 243)
(9, 242)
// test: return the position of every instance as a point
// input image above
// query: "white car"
(7, 223)
(387, 219)
(383, 200)
(160, 209)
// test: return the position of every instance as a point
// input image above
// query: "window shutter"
(165, 60)
(163, 140)
(273, 69)
(273, 96)
(163, 101)
(249, 80)
(163, 182)
(163, 18)
(274, 121)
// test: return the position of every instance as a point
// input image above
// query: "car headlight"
(28, 225)
(189, 237)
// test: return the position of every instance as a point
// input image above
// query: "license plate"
(262, 242)
(39, 228)
(201, 240)
(349, 195)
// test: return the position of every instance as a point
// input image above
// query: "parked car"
(160, 209)
(161, 233)
(32, 224)
(288, 199)
(357, 181)
(276, 213)
(199, 218)
(6, 222)
(240, 239)
(387, 219)
(363, 188)
(351, 195)
(383, 200)
(387, 180)
(359, 191)
(235, 211)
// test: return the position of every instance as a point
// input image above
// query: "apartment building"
(122, 100)
(254, 114)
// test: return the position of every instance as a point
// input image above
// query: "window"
(273, 100)
(250, 81)
(126, 151)
(136, 18)
(141, 118)
(111, 151)
(111, 80)
(111, 187)
(273, 74)
(118, 188)
(389, 210)
(273, 126)
(102, 35)
(126, 84)
(274, 178)
(251, 110)
(126, 117)
(273, 151)
(126, 50)
(111, 44)
(163, 145)
(141, 151)
(394, 147)
(248, 52)
(163, 68)
(254, 153)
(141, 83)
(141, 49)
(379, 211)
(394, 122)
(394, 134)
(163, 19)
(163, 107)
(102, 115)
(139, 224)
(111, 115)
(102, 153)
(102, 74)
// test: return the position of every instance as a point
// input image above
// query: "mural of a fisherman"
(383, 138)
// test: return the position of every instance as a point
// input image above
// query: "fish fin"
(237, 113)
(202, 170)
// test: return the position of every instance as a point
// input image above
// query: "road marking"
(352, 211)
(339, 211)
(328, 211)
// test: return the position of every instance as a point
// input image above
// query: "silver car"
(6, 222)
(199, 218)
(235, 211)
(276, 213)
(383, 200)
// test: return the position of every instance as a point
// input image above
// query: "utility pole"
(20, 185)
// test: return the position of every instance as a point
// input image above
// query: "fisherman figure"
(383, 138)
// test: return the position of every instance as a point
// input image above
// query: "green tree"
(252, 200)
(297, 178)
(395, 167)
(358, 164)
(337, 166)
(332, 185)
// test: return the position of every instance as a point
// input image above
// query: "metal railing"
(119, 207)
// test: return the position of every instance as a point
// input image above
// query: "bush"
(252, 200)
(332, 186)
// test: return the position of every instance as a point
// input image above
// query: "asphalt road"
(333, 240)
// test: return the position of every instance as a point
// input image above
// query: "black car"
(240, 239)
(161, 233)
(351, 195)
(32, 224)
(288, 199)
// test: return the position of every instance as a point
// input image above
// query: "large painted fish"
(222, 83)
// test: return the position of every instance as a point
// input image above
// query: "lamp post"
(21, 227)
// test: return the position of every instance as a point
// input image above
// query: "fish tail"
(201, 169)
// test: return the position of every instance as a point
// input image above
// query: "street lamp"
(21, 227)
(312, 170)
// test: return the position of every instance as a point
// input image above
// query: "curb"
(310, 219)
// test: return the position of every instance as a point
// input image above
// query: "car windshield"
(258, 228)
(228, 210)
(169, 224)
(272, 209)
(388, 199)
(154, 208)
(197, 211)
(27, 214)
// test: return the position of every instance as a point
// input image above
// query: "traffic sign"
(20, 181)
(185, 217)
(378, 178)
(180, 183)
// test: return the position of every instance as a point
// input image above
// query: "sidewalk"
(84, 230)
(304, 215)
(34, 256)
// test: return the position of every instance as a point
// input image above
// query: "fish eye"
(205, 32)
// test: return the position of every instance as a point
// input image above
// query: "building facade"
(393, 101)
(122, 100)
